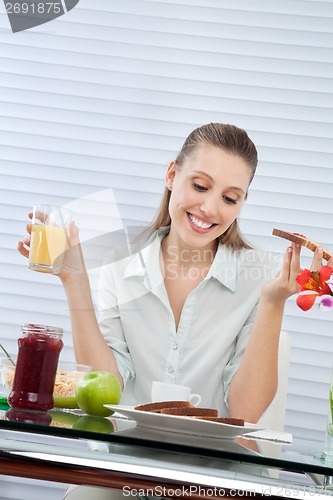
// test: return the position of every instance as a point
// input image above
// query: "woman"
(196, 306)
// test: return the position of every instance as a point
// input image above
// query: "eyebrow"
(201, 172)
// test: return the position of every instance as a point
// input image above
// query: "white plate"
(183, 425)
(245, 446)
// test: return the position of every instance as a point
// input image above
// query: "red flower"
(306, 300)
(306, 280)
(312, 285)
(325, 272)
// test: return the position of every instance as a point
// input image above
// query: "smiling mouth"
(198, 223)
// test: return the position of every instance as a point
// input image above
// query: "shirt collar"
(224, 267)
(146, 263)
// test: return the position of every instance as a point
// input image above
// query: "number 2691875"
(33, 7)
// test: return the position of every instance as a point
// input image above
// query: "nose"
(209, 206)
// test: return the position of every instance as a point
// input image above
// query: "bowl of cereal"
(67, 377)
(7, 369)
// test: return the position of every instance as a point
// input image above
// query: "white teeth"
(199, 223)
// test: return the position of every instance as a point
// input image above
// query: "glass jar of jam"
(36, 367)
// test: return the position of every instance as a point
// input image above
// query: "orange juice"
(47, 247)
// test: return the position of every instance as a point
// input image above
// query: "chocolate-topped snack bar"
(301, 240)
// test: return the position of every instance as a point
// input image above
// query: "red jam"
(36, 367)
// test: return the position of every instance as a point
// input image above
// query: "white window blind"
(103, 97)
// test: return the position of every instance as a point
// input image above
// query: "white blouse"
(204, 353)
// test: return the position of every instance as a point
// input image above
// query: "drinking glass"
(49, 238)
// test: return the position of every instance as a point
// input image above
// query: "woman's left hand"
(284, 284)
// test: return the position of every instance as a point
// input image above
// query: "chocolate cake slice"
(159, 405)
(223, 420)
(189, 412)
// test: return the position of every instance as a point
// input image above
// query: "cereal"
(9, 378)
(65, 382)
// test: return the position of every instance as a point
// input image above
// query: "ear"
(170, 174)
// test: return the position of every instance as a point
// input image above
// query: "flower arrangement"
(315, 286)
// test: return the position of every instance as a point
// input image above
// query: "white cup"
(162, 391)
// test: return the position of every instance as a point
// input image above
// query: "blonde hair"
(229, 138)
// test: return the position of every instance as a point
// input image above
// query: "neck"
(180, 254)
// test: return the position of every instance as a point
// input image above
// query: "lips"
(199, 224)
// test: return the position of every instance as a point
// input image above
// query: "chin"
(199, 240)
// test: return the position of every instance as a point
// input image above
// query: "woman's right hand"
(73, 263)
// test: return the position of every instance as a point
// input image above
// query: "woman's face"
(207, 193)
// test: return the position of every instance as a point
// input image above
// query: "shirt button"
(175, 346)
(170, 370)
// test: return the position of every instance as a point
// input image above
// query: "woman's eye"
(227, 199)
(199, 187)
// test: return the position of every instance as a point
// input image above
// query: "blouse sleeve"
(110, 323)
(240, 346)
(270, 268)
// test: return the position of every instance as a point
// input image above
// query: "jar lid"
(33, 328)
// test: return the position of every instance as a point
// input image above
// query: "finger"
(297, 248)
(21, 248)
(295, 265)
(42, 216)
(317, 259)
(26, 240)
(74, 234)
(28, 228)
(285, 269)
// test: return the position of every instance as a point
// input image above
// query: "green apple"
(94, 424)
(95, 389)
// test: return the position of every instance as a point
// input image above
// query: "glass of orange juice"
(49, 238)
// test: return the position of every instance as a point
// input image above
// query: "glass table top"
(302, 456)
